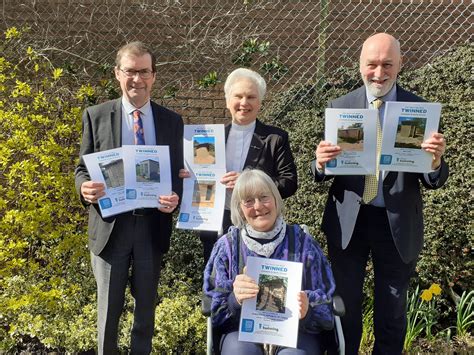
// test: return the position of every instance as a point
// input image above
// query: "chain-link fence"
(198, 42)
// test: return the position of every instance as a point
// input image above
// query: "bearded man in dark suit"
(129, 246)
(389, 226)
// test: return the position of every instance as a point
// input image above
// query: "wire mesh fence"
(198, 42)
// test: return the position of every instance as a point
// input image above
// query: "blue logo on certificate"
(331, 163)
(184, 217)
(247, 325)
(385, 159)
(131, 194)
(105, 203)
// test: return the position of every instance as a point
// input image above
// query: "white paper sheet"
(107, 167)
(147, 174)
(355, 131)
(406, 126)
(202, 206)
(273, 316)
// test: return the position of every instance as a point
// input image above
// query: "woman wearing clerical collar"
(251, 144)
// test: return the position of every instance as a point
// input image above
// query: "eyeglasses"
(250, 202)
(144, 73)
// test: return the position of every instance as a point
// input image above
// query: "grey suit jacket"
(401, 193)
(270, 152)
(102, 130)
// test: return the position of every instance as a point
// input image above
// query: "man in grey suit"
(388, 226)
(129, 246)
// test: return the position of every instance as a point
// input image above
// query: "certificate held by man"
(147, 174)
(202, 207)
(354, 130)
(406, 126)
(107, 167)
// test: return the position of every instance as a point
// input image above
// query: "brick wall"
(193, 37)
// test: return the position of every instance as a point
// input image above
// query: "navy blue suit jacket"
(401, 193)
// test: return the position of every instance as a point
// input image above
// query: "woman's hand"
(303, 303)
(229, 179)
(244, 288)
(183, 173)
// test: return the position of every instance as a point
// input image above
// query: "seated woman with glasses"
(260, 230)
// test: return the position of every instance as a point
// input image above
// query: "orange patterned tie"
(372, 181)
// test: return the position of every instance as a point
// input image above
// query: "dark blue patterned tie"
(138, 128)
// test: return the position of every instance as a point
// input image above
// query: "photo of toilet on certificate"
(147, 174)
(202, 205)
(107, 167)
(406, 126)
(354, 130)
(273, 316)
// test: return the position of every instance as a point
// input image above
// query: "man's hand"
(168, 202)
(436, 145)
(229, 179)
(325, 152)
(91, 191)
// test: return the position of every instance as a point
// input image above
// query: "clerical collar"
(245, 128)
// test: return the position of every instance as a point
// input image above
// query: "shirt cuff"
(433, 175)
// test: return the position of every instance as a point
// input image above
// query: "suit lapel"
(159, 130)
(227, 131)
(116, 123)
(256, 146)
(360, 98)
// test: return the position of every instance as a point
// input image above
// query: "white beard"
(379, 91)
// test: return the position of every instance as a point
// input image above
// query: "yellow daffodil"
(435, 289)
(426, 295)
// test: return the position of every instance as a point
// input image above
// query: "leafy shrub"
(46, 285)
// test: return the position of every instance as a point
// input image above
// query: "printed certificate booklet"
(147, 174)
(107, 167)
(406, 126)
(273, 316)
(355, 131)
(202, 207)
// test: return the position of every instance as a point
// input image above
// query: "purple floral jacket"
(223, 266)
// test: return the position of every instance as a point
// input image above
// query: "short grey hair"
(244, 73)
(252, 183)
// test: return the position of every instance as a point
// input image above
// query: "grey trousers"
(131, 254)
